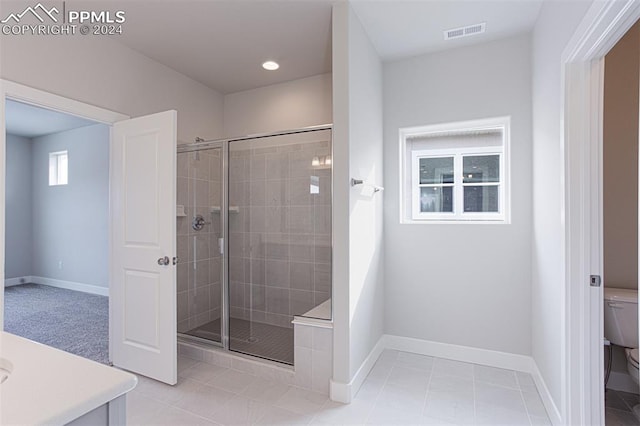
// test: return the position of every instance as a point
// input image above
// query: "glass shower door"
(200, 230)
(279, 238)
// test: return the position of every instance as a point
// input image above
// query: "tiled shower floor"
(252, 338)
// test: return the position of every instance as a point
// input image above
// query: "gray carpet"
(73, 321)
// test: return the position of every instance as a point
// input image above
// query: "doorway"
(142, 211)
(620, 225)
(583, 66)
(57, 230)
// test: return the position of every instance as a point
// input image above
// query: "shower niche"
(254, 239)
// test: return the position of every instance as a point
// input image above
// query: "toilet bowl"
(632, 369)
(621, 327)
(632, 363)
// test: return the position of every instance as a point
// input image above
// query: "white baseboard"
(545, 395)
(340, 392)
(70, 285)
(461, 353)
(344, 392)
(622, 381)
(17, 281)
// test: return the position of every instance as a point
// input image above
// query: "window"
(455, 172)
(58, 168)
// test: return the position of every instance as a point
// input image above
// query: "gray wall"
(70, 222)
(555, 25)
(366, 260)
(357, 227)
(463, 284)
(18, 237)
(103, 72)
(620, 158)
(290, 105)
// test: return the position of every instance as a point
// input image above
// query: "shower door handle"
(164, 261)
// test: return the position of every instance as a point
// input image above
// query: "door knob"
(164, 261)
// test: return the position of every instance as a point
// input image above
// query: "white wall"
(71, 222)
(463, 284)
(105, 73)
(290, 105)
(341, 195)
(358, 255)
(366, 268)
(18, 237)
(555, 25)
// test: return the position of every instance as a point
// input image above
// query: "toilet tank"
(621, 316)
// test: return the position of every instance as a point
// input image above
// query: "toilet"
(621, 327)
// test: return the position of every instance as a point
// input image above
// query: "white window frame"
(56, 178)
(410, 173)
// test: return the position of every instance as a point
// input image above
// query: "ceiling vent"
(467, 31)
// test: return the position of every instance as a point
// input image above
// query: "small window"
(58, 168)
(455, 172)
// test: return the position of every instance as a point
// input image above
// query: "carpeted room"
(56, 245)
(73, 321)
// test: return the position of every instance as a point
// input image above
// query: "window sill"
(456, 222)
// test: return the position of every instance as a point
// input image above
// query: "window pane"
(53, 170)
(481, 198)
(436, 170)
(63, 165)
(436, 199)
(58, 168)
(481, 168)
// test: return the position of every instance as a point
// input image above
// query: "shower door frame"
(223, 144)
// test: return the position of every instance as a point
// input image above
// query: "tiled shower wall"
(280, 227)
(199, 261)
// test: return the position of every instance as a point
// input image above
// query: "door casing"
(582, 82)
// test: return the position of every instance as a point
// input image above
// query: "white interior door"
(143, 275)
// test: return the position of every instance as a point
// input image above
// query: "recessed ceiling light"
(270, 65)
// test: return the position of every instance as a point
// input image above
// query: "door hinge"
(595, 280)
(221, 245)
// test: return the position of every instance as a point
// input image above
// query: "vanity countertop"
(49, 386)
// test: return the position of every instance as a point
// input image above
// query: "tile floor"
(402, 388)
(618, 407)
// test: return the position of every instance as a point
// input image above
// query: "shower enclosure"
(254, 239)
